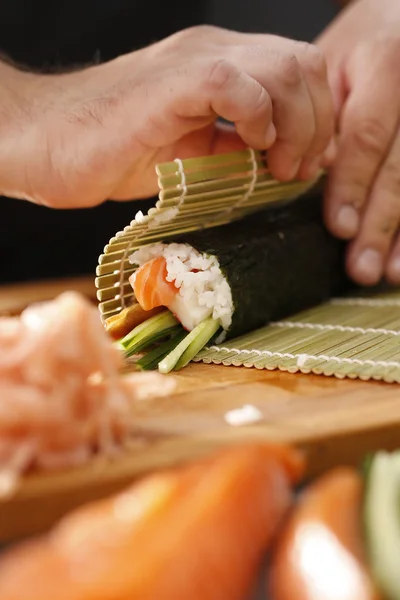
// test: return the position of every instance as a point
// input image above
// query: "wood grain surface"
(335, 421)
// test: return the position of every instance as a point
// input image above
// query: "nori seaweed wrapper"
(277, 263)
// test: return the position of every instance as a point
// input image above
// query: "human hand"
(97, 134)
(362, 48)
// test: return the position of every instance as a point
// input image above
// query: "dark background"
(37, 242)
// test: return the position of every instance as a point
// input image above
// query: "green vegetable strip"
(144, 342)
(150, 361)
(366, 465)
(152, 330)
(163, 320)
(205, 334)
(170, 361)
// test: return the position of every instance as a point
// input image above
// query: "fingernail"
(369, 266)
(348, 221)
(270, 136)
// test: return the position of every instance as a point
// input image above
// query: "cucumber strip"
(143, 342)
(209, 330)
(148, 330)
(150, 361)
(169, 362)
(161, 321)
(366, 466)
(382, 521)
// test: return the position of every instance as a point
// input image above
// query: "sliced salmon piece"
(198, 533)
(150, 284)
(320, 553)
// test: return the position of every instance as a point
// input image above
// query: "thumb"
(215, 138)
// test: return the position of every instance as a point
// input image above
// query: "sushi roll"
(223, 282)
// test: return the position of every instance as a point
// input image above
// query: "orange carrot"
(320, 553)
(198, 533)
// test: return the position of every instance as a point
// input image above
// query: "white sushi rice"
(243, 416)
(201, 294)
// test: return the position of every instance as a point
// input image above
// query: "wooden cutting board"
(335, 421)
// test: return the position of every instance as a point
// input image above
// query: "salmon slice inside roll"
(189, 283)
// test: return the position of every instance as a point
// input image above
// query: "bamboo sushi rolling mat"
(354, 337)
(336, 421)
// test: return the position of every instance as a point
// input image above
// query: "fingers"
(293, 116)
(321, 151)
(225, 90)
(184, 124)
(370, 250)
(362, 201)
(369, 121)
(294, 76)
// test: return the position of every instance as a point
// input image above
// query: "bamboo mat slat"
(194, 194)
(357, 337)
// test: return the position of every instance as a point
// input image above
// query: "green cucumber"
(143, 342)
(382, 521)
(149, 331)
(173, 358)
(154, 323)
(209, 329)
(150, 361)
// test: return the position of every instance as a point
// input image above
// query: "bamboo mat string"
(345, 337)
(194, 194)
(252, 183)
(139, 218)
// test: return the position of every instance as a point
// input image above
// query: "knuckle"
(289, 72)
(391, 177)
(219, 74)
(312, 59)
(381, 55)
(370, 136)
(261, 102)
(388, 43)
(204, 30)
(194, 33)
(384, 224)
(255, 50)
(353, 192)
(388, 226)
